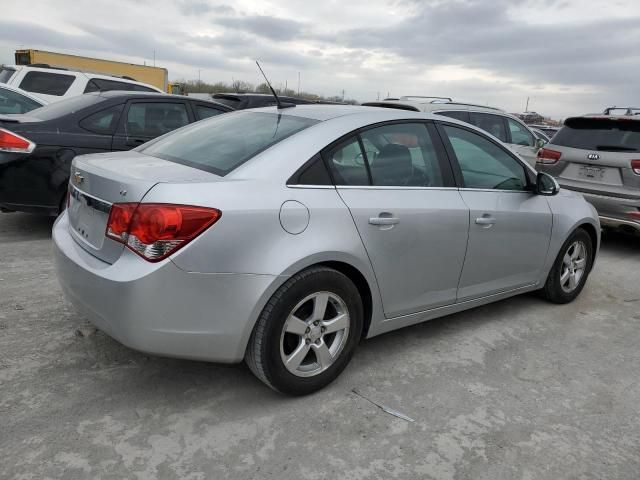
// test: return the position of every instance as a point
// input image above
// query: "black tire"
(263, 355)
(553, 290)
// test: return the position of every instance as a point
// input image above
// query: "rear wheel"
(571, 269)
(307, 332)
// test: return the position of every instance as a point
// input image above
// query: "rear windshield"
(65, 107)
(605, 135)
(222, 143)
(6, 74)
(228, 101)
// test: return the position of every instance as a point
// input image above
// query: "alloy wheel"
(314, 334)
(574, 265)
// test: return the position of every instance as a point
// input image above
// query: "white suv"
(505, 127)
(53, 84)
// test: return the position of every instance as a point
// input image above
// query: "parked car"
(243, 101)
(14, 100)
(548, 130)
(55, 84)
(36, 149)
(284, 236)
(599, 156)
(505, 127)
(540, 134)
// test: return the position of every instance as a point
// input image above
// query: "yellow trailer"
(156, 76)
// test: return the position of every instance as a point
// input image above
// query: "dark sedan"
(36, 149)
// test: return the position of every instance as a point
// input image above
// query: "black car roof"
(132, 94)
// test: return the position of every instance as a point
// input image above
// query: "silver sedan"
(285, 236)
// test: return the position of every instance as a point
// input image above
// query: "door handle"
(384, 220)
(485, 220)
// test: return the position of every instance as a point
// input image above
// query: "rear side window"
(457, 114)
(605, 135)
(314, 173)
(203, 112)
(103, 122)
(222, 143)
(493, 124)
(519, 134)
(13, 102)
(47, 83)
(155, 118)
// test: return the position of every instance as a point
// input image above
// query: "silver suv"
(599, 156)
(505, 127)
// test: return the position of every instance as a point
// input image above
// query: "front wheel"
(307, 332)
(571, 269)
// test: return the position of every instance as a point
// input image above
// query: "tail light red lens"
(635, 166)
(546, 156)
(13, 143)
(156, 230)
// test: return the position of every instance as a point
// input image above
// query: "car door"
(398, 185)
(145, 120)
(522, 141)
(510, 226)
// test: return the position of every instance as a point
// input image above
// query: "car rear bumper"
(614, 211)
(159, 308)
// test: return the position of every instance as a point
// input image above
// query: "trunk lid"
(597, 154)
(100, 180)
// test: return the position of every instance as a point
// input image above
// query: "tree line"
(240, 86)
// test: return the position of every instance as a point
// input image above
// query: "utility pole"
(298, 83)
(199, 81)
(154, 58)
(378, 95)
(526, 109)
(343, 94)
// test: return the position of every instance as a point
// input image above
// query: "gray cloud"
(263, 26)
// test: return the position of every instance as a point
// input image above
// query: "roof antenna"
(278, 102)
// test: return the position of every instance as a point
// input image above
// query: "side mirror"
(546, 185)
(540, 142)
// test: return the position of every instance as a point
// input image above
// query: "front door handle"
(384, 220)
(485, 220)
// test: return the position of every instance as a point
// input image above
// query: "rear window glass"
(605, 135)
(6, 74)
(65, 107)
(222, 143)
(47, 83)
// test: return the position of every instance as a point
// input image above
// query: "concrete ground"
(521, 389)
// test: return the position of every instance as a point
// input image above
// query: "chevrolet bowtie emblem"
(78, 178)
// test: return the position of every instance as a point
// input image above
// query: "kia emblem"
(593, 156)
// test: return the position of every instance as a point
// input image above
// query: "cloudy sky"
(568, 56)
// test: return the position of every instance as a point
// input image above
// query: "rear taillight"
(635, 166)
(547, 156)
(156, 230)
(14, 143)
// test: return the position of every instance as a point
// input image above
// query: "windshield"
(65, 107)
(6, 74)
(600, 134)
(224, 142)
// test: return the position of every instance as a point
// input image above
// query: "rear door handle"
(384, 220)
(485, 220)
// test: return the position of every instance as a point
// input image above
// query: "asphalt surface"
(520, 389)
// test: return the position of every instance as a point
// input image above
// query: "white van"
(53, 84)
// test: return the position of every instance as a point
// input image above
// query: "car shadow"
(15, 226)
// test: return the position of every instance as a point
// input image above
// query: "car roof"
(130, 93)
(433, 105)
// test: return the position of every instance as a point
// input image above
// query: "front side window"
(103, 122)
(155, 118)
(402, 155)
(493, 124)
(13, 102)
(47, 83)
(484, 164)
(222, 143)
(519, 134)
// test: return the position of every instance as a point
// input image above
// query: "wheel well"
(363, 288)
(590, 229)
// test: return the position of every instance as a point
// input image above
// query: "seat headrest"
(393, 165)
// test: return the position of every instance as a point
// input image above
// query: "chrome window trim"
(493, 190)
(104, 206)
